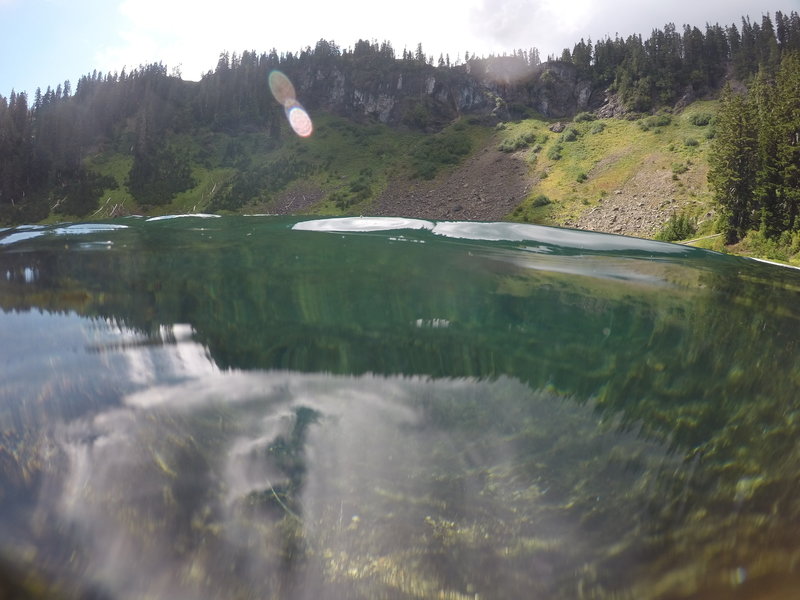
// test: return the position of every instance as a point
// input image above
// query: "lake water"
(264, 407)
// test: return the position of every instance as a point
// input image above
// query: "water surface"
(255, 407)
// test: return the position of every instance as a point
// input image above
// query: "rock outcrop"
(424, 97)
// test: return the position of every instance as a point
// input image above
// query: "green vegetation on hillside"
(593, 159)
(677, 227)
(445, 148)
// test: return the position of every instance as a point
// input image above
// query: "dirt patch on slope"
(644, 203)
(640, 208)
(297, 198)
(486, 187)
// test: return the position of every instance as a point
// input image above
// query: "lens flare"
(282, 88)
(284, 92)
(299, 120)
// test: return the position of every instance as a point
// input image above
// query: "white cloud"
(135, 48)
(193, 33)
(544, 24)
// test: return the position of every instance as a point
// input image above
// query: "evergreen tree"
(582, 57)
(694, 58)
(745, 62)
(793, 36)
(732, 164)
(157, 175)
(769, 52)
(766, 182)
(755, 158)
(715, 53)
(79, 192)
(734, 43)
(419, 54)
(782, 29)
(787, 130)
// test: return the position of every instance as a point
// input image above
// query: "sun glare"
(283, 91)
(300, 121)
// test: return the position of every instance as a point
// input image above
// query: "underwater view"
(197, 407)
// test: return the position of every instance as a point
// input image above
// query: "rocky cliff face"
(425, 97)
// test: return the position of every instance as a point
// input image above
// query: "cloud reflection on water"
(200, 486)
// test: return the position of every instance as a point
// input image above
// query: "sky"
(45, 42)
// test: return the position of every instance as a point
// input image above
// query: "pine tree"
(782, 29)
(745, 61)
(419, 54)
(793, 36)
(766, 182)
(769, 52)
(732, 164)
(582, 56)
(787, 116)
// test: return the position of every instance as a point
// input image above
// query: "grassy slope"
(339, 153)
(346, 153)
(620, 153)
(607, 155)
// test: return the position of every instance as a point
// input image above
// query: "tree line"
(44, 142)
(43, 145)
(755, 159)
(659, 70)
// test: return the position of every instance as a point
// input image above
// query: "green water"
(262, 407)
